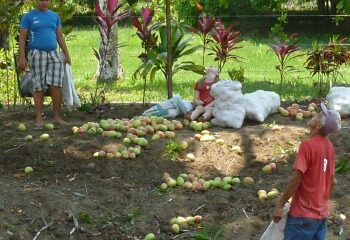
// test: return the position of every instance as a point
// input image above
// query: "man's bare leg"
(39, 103)
(56, 96)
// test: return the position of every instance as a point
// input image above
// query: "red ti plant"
(148, 38)
(204, 27)
(144, 31)
(225, 41)
(106, 20)
(284, 50)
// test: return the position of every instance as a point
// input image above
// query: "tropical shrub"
(203, 29)
(146, 33)
(237, 74)
(157, 58)
(284, 52)
(224, 43)
(326, 61)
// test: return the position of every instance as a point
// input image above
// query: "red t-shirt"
(315, 160)
(204, 92)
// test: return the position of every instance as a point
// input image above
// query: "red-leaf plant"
(284, 50)
(225, 41)
(106, 20)
(144, 31)
(148, 38)
(203, 28)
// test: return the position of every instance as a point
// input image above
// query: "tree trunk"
(321, 5)
(4, 40)
(334, 6)
(169, 69)
(109, 68)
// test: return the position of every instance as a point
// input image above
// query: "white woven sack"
(339, 100)
(260, 104)
(225, 89)
(228, 113)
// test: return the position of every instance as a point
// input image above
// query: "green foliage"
(326, 60)
(86, 218)
(131, 217)
(237, 74)
(9, 13)
(342, 166)
(264, 5)
(8, 83)
(278, 29)
(92, 99)
(156, 60)
(208, 233)
(173, 148)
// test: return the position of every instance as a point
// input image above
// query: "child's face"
(315, 122)
(211, 74)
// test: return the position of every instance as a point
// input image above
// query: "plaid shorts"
(47, 69)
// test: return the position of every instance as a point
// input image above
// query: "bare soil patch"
(118, 198)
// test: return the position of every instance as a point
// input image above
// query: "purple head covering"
(332, 121)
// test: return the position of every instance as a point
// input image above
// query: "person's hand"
(277, 214)
(22, 64)
(207, 107)
(68, 60)
(199, 102)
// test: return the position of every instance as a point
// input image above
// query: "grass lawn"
(258, 61)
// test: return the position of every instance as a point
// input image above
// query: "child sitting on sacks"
(203, 101)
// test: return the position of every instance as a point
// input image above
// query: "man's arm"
(22, 49)
(63, 45)
(292, 186)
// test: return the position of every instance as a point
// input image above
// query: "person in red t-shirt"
(202, 99)
(311, 183)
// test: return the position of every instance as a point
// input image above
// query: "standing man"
(311, 183)
(46, 65)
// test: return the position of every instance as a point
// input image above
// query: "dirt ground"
(118, 198)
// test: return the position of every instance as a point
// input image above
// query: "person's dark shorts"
(298, 228)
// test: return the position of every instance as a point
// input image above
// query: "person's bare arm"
(63, 45)
(292, 186)
(22, 62)
(210, 105)
(196, 99)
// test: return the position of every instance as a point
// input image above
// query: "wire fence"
(255, 29)
(261, 24)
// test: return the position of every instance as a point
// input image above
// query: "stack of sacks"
(339, 99)
(260, 104)
(228, 104)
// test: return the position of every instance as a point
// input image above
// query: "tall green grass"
(257, 59)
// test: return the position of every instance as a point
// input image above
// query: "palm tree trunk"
(109, 69)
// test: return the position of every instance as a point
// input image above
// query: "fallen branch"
(198, 208)
(76, 225)
(158, 224)
(8, 150)
(228, 168)
(245, 213)
(43, 229)
(185, 232)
